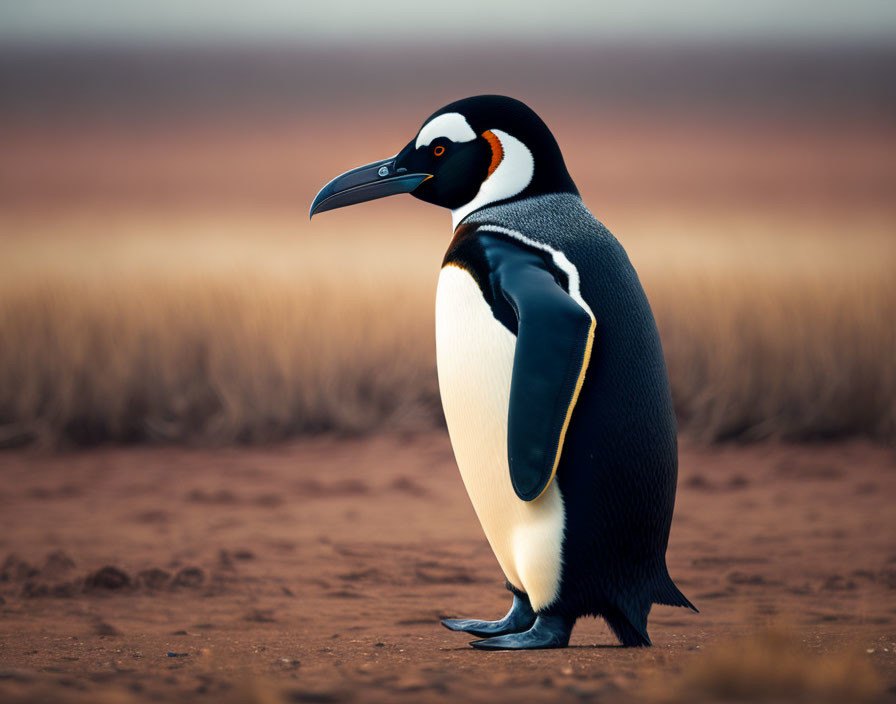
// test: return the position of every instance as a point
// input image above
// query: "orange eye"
(439, 150)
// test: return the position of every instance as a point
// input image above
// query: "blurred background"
(161, 285)
(160, 280)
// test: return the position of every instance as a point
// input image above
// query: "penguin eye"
(439, 150)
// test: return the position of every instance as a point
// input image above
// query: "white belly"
(475, 361)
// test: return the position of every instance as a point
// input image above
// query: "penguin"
(551, 375)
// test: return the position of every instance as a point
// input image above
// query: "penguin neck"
(521, 172)
(460, 216)
(464, 215)
(514, 213)
(513, 174)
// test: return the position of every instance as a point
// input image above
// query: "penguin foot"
(548, 632)
(520, 618)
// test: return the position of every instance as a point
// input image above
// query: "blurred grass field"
(160, 281)
(236, 329)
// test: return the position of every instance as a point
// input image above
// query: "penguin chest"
(475, 361)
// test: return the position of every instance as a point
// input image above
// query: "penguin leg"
(548, 632)
(519, 618)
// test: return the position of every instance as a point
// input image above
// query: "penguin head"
(471, 153)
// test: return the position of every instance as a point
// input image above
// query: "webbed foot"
(519, 618)
(548, 632)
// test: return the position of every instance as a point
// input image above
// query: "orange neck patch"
(497, 151)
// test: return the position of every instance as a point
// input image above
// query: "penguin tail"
(668, 594)
(631, 632)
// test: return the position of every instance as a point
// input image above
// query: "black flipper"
(519, 618)
(548, 632)
(553, 346)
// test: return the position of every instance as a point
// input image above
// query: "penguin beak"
(376, 180)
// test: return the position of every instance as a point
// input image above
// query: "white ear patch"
(452, 125)
(512, 176)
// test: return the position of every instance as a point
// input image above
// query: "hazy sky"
(444, 21)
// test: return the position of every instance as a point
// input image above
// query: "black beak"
(375, 180)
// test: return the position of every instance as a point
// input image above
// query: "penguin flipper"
(553, 347)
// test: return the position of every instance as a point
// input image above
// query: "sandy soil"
(317, 572)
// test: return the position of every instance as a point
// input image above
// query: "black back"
(618, 470)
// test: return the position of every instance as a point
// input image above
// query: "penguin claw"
(548, 632)
(484, 629)
(520, 618)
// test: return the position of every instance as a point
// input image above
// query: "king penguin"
(551, 374)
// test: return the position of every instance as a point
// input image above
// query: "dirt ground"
(318, 572)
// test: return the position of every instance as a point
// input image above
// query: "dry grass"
(777, 329)
(771, 666)
(246, 329)
(219, 338)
